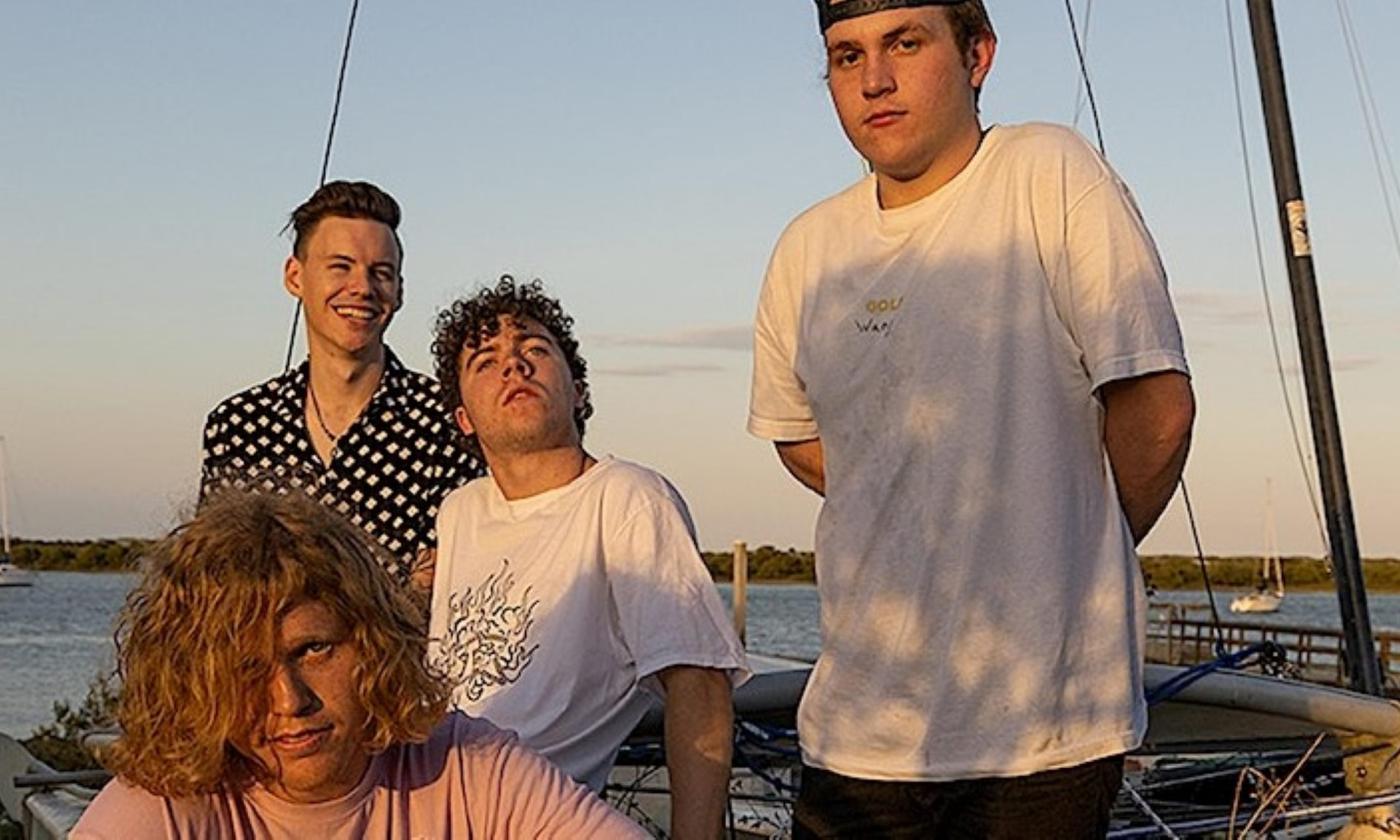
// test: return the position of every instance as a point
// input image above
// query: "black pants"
(1069, 804)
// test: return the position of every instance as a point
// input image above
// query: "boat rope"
(326, 155)
(1375, 130)
(1304, 465)
(1269, 654)
(1280, 793)
(1084, 74)
(1149, 813)
(1215, 625)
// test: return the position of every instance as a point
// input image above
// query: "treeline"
(790, 565)
(78, 556)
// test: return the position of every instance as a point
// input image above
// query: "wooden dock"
(1183, 634)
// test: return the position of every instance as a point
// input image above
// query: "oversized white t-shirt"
(469, 780)
(981, 608)
(551, 613)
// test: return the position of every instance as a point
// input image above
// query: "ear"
(291, 276)
(398, 295)
(463, 421)
(980, 54)
(580, 395)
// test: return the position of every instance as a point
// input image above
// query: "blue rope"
(1267, 652)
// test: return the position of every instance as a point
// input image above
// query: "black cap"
(834, 11)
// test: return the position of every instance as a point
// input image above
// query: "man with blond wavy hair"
(274, 686)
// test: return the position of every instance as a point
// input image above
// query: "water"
(55, 636)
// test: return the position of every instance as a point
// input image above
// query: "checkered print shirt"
(388, 473)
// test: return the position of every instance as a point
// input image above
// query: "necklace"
(316, 407)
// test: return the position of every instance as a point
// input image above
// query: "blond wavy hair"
(195, 640)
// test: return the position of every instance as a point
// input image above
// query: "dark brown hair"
(470, 321)
(344, 200)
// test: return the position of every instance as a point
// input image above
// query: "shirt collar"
(291, 395)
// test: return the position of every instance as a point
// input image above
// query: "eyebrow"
(524, 337)
(886, 39)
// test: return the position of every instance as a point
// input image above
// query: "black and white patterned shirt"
(388, 472)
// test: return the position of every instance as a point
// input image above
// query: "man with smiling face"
(351, 426)
(972, 356)
(569, 588)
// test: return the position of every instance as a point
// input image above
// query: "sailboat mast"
(1363, 669)
(4, 503)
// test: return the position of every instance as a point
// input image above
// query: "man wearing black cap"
(972, 355)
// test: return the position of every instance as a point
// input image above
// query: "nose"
(877, 78)
(517, 365)
(291, 696)
(359, 281)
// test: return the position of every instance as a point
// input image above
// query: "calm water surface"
(55, 636)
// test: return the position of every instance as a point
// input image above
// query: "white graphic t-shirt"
(981, 607)
(551, 613)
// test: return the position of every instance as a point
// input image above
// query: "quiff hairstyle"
(472, 321)
(196, 638)
(344, 200)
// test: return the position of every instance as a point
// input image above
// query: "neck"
(895, 191)
(521, 475)
(344, 383)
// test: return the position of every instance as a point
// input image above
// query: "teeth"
(355, 312)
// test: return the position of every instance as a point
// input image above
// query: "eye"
(340, 267)
(384, 274)
(485, 364)
(315, 648)
(845, 58)
(906, 45)
(538, 350)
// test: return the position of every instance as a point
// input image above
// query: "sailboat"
(10, 574)
(1268, 596)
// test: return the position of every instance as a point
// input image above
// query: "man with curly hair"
(972, 356)
(568, 588)
(274, 686)
(351, 426)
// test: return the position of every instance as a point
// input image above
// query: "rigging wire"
(1079, 100)
(1375, 130)
(326, 155)
(1303, 464)
(1084, 73)
(1215, 624)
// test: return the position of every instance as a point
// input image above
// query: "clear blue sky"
(641, 159)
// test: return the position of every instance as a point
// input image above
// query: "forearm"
(699, 740)
(806, 462)
(1147, 434)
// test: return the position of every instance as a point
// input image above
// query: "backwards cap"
(835, 11)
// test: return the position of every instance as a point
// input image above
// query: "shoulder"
(125, 811)
(636, 485)
(1051, 154)
(465, 498)
(835, 210)
(256, 398)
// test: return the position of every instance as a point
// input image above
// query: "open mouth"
(515, 393)
(362, 314)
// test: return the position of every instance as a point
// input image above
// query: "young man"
(565, 583)
(971, 354)
(351, 426)
(274, 685)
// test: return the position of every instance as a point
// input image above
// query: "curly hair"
(344, 200)
(470, 321)
(195, 640)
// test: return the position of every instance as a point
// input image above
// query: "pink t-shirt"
(469, 780)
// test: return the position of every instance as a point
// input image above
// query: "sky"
(641, 159)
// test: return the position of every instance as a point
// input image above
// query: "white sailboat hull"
(1257, 602)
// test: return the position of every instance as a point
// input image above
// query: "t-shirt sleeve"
(123, 812)
(1112, 289)
(527, 796)
(668, 609)
(778, 406)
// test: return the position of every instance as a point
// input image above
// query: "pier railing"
(1182, 634)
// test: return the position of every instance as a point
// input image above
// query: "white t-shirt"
(981, 607)
(550, 613)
